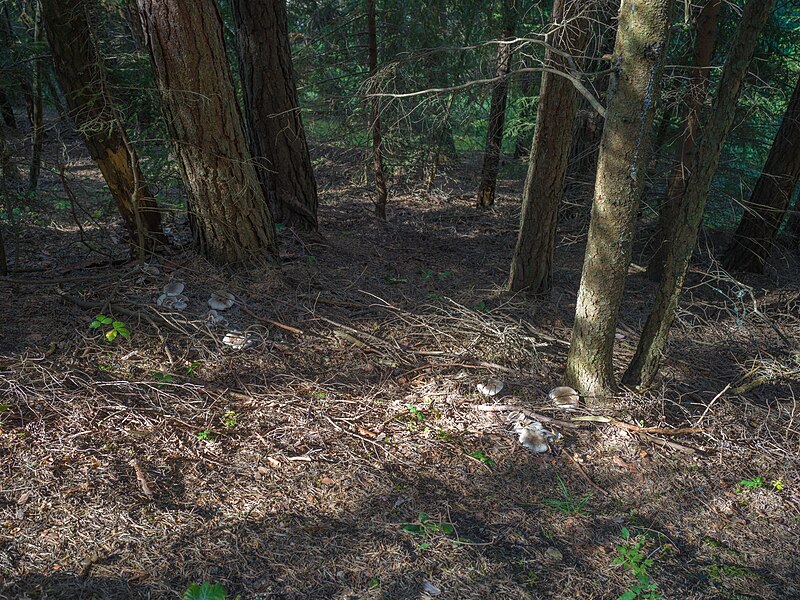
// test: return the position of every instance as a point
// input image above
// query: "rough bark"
(381, 187)
(641, 44)
(689, 214)
(228, 210)
(497, 111)
(37, 115)
(705, 42)
(274, 124)
(769, 201)
(532, 263)
(82, 77)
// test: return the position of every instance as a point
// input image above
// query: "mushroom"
(214, 318)
(221, 300)
(238, 340)
(174, 288)
(491, 387)
(178, 302)
(534, 436)
(564, 397)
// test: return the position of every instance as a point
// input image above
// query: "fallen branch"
(585, 475)
(528, 413)
(271, 322)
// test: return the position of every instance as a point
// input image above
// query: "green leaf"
(625, 533)
(111, 335)
(118, 325)
(415, 529)
(4, 407)
(94, 324)
(106, 320)
(205, 591)
(124, 332)
(629, 595)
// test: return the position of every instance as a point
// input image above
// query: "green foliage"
(632, 556)
(753, 483)
(416, 413)
(162, 379)
(230, 419)
(205, 591)
(111, 329)
(191, 368)
(206, 436)
(479, 455)
(568, 504)
(428, 529)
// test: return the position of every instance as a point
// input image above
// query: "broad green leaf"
(124, 333)
(629, 595)
(205, 591)
(95, 324)
(111, 335)
(106, 320)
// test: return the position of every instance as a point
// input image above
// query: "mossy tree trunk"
(228, 210)
(769, 201)
(497, 109)
(705, 41)
(641, 44)
(274, 124)
(82, 77)
(696, 185)
(532, 263)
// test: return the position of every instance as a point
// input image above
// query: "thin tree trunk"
(529, 87)
(7, 111)
(764, 212)
(689, 215)
(532, 264)
(444, 138)
(37, 119)
(228, 210)
(381, 187)
(497, 110)
(705, 42)
(641, 44)
(6, 172)
(82, 76)
(274, 124)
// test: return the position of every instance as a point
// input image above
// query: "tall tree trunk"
(7, 110)
(641, 44)
(770, 198)
(37, 120)
(529, 87)
(793, 223)
(689, 215)
(7, 171)
(381, 187)
(227, 207)
(82, 76)
(532, 264)
(274, 124)
(497, 109)
(705, 42)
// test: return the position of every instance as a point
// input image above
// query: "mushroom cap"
(237, 340)
(491, 387)
(174, 288)
(221, 300)
(564, 396)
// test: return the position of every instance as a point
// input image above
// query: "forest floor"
(341, 455)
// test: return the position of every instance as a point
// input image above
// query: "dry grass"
(289, 469)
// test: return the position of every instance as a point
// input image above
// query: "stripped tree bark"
(82, 77)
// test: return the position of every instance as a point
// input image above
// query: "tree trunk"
(497, 110)
(641, 44)
(7, 172)
(228, 210)
(793, 223)
(82, 76)
(532, 264)
(705, 42)
(770, 198)
(274, 124)
(381, 187)
(528, 89)
(37, 116)
(7, 111)
(696, 185)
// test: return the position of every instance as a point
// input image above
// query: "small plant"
(753, 483)
(479, 455)
(415, 412)
(632, 556)
(191, 368)
(205, 436)
(778, 485)
(426, 274)
(111, 329)
(205, 591)
(229, 419)
(568, 503)
(481, 306)
(311, 260)
(427, 528)
(162, 379)
(445, 275)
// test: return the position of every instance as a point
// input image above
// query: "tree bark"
(705, 42)
(82, 77)
(696, 185)
(641, 44)
(532, 264)
(381, 187)
(769, 201)
(228, 211)
(497, 110)
(272, 113)
(37, 116)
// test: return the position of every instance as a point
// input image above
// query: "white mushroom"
(238, 340)
(534, 436)
(564, 397)
(491, 387)
(175, 302)
(174, 288)
(150, 269)
(221, 300)
(214, 318)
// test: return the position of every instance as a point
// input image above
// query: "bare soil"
(341, 455)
